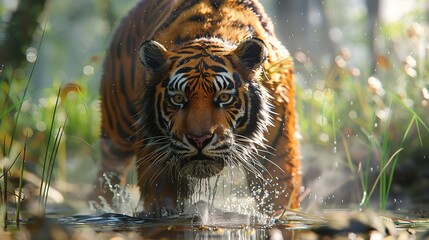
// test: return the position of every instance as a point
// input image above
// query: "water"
(230, 226)
(218, 209)
(338, 224)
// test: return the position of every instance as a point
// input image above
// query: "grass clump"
(386, 111)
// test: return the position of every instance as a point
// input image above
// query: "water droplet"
(31, 54)
(88, 70)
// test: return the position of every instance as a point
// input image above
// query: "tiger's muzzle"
(205, 156)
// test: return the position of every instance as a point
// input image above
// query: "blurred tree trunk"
(19, 32)
(372, 25)
(306, 29)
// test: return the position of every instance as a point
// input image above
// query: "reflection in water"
(347, 225)
(178, 227)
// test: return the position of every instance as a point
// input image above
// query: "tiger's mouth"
(201, 166)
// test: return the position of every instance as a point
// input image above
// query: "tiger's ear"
(153, 55)
(252, 52)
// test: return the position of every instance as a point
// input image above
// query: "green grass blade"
(383, 170)
(51, 167)
(21, 177)
(4, 190)
(383, 161)
(348, 156)
(407, 131)
(49, 170)
(7, 94)
(45, 161)
(334, 127)
(365, 174)
(10, 109)
(419, 119)
(419, 134)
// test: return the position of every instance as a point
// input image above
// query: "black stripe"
(104, 101)
(122, 81)
(186, 52)
(160, 106)
(107, 96)
(230, 120)
(151, 118)
(164, 83)
(197, 47)
(237, 24)
(197, 18)
(121, 113)
(216, 3)
(240, 25)
(217, 59)
(181, 62)
(129, 111)
(229, 58)
(121, 131)
(132, 70)
(179, 40)
(184, 70)
(137, 27)
(130, 42)
(237, 79)
(217, 69)
(253, 110)
(187, 59)
(237, 105)
(174, 59)
(176, 13)
(118, 48)
(217, 51)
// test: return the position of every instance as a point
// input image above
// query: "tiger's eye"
(178, 99)
(224, 97)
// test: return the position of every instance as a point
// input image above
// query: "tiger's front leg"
(115, 165)
(161, 193)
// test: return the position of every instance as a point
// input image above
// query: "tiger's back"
(173, 24)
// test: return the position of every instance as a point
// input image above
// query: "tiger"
(191, 87)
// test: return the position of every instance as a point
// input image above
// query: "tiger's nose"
(199, 141)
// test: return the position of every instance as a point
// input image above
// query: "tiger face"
(204, 107)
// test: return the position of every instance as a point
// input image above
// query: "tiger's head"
(204, 106)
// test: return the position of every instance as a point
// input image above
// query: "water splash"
(225, 199)
(222, 199)
(123, 200)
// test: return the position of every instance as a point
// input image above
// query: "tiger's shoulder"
(174, 22)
